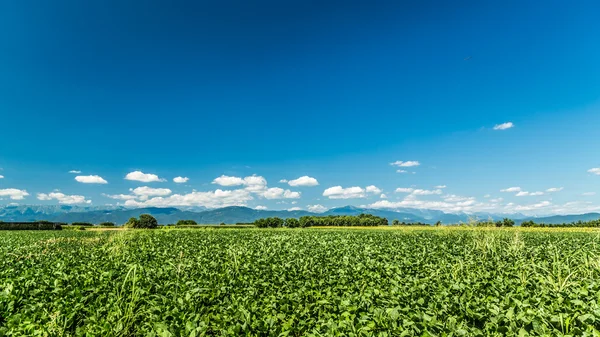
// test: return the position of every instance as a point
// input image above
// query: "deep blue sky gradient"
(331, 89)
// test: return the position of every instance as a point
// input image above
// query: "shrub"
(107, 224)
(186, 223)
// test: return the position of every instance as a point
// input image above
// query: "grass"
(406, 281)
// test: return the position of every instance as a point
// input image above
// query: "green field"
(319, 282)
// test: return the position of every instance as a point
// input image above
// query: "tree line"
(591, 223)
(366, 220)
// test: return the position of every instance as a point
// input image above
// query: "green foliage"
(575, 224)
(106, 224)
(365, 220)
(146, 221)
(328, 282)
(292, 223)
(186, 223)
(82, 224)
(38, 225)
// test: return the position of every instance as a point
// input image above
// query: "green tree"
(292, 223)
(506, 222)
(107, 224)
(145, 221)
(132, 223)
(396, 222)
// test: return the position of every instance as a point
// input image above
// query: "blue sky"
(331, 90)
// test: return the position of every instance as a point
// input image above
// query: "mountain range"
(239, 214)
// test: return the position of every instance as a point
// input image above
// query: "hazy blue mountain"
(237, 214)
(556, 219)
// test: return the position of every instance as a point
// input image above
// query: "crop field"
(303, 282)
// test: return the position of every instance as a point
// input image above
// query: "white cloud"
(511, 189)
(487, 196)
(402, 171)
(64, 198)
(412, 202)
(119, 196)
(283, 181)
(497, 200)
(338, 192)
(95, 179)
(145, 192)
(504, 126)
(440, 186)
(409, 163)
(294, 209)
(181, 180)
(13, 193)
(279, 193)
(75, 171)
(228, 181)
(1, 176)
(588, 193)
(554, 189)
(303, 181)
(143, 177)
(317, 208)
(595, 170)
(456, 198)
(210, 199)
(537, 206)
(260, 208)
(525, 193)
(373, 189)
(383, 196)
(426, 192)
(404, 190)
(253, 183)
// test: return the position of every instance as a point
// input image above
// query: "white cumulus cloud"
(143, 177)
(144, 192)
(383, 196)
(338, 192)
(75, 171)
(317, 208)
(252, 183)
(303, 181)
(511, 189)
(595, 170)
(181, 180)
(504, 126)
(13, 193)
(440, 186)
(260, 208)
(279, 193)
(1, 176)
(373, 189)
(404, 190)
(409, 163)
(402, 171)
(64, 198)
(554, 189)
(294, 209)
(92, 179)
(588, 193)
(210, 199)
(426, 192)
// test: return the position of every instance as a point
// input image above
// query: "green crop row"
(313, 282)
